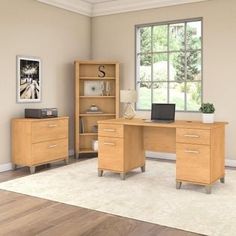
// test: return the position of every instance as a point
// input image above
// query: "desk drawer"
(48, 151)
(110, 153)
(193, 162)
(194, 136)
(49, 130)
(110, 130)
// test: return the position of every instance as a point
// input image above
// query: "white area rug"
(149, 196)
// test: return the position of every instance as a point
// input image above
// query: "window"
(169, 64)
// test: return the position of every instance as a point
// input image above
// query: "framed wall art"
(93, 88)
(28, 79)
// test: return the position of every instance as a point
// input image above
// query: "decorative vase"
(208, 117)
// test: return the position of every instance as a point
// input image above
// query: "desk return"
(199, 148)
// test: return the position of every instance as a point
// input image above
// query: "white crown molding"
(113, 7)
(77, 6)
(121, 6)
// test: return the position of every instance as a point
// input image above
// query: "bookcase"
(96, 98)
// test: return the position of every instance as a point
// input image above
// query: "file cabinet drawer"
(49, 130)
(110, 153)
(110, 130)
(193, 162)
(194, 136)
(49, 151)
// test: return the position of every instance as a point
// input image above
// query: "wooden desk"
(199, 148)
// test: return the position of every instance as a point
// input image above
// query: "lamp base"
(129, 112)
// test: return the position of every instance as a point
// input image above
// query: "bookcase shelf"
(97, 78)
(97, 97)
(97, 114)
(88, 134)
(91, 89)
(87, 150)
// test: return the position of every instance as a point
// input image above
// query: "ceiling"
(106, 7)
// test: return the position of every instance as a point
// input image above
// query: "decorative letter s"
(101, 72)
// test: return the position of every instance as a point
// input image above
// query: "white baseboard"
(5, 167)
(230, 162)
(171, 156)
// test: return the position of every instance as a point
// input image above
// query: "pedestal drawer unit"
(120, 148)
(200, 155)
(39, 141)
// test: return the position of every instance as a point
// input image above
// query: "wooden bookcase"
(96, 82)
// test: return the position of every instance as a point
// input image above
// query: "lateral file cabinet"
(39, 141)
(200, 156)
(120, 148)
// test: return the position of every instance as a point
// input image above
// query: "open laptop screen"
(162, 111)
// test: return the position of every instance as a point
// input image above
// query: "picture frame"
(93, 88)
(29, 81)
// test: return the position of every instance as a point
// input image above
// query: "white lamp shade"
(128, 96)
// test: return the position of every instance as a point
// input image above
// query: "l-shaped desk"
(199, 148)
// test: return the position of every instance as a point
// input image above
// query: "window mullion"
(185, 66)
(168, 63)
(152, 64)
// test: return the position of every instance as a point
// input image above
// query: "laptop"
(162, 113)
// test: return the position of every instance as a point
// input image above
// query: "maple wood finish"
(39, 141)
(199, 148)
(108, 104)
(120, 148)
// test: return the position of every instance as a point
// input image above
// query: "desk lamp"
(128, 97)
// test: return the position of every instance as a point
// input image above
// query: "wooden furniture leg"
(208, 189)
(178, 184)
(32, 169)
(143, 168)
(100, 173)
(222, 180)
(14, 166)
(122, 176)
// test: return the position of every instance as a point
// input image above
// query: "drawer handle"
(52, 125)
(109, 130)
(191, 136)
(52, 146)
(192, 151)
(110, 144)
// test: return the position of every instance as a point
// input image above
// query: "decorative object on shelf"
(128, 97)
(101, 72)
(94, 128)
(102, 87)
(28, 79)
(108, 88)
(207, 110)
(95, 145)
(94, 109)
(92, 88)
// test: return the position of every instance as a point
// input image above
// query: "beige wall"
(58, 37)
(114, 38)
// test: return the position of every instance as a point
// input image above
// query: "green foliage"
(190, 59)
(207, 108)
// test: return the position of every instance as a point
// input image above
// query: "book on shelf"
(81, 125)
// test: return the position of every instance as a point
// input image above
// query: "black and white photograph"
(28, 79)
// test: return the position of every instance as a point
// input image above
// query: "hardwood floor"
(22, 215)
